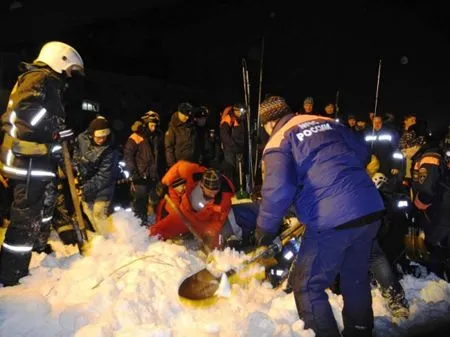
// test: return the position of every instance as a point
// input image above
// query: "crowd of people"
(357, 186)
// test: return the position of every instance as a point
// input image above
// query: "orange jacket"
(207, 222)
(163, 208)
(228, 117)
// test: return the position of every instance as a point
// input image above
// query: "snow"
(127, 286)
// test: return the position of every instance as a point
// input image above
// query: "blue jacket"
(97, 167)
(318, 166)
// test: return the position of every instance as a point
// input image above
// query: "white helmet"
(379, 179)
(60, 56)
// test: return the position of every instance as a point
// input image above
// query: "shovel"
(203, 284)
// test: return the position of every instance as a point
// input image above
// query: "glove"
(158, 193)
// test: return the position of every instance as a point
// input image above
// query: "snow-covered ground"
(128, 287)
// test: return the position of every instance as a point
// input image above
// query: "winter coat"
(181, 141)
(34, 116)
(318, 166)
(207, 222)
(431, 194)
(143, 155)
(212, 153)
(97, 167)
(232, 135)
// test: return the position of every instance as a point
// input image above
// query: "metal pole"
(376, 100)
(259, 103)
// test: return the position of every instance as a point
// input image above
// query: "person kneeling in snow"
(175, 193)
(206, 203)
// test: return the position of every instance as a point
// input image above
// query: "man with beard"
(205, 203)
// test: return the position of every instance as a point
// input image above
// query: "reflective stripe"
(370, 138)
(66, 133)
(397, 155)
(47, 219)
(9, 157)
(37, 118)
(385, 137)
(20, 249)
(56, 148)
(382, 138)
(447, 153)
(12, 120)
(35, 173)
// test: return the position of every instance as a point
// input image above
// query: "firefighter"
(34, 126)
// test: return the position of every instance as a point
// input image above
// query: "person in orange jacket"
(205, 203)
(175, 192)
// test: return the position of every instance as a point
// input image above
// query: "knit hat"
(150, 117)
(178, 182)
(308, 100)
(416, 135)
(211, 179)
(99, 127)
(273, 108)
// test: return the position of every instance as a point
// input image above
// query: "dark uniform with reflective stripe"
(34, 116)
(431, 199)
(431, 195)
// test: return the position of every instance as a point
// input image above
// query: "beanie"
(273, 108)
(308, 100)
(211, 179)
(99, 127)
(150, 117)
(415, 136)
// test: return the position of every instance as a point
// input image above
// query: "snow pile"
(127, 286)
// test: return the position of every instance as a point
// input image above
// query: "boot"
(396, 301)
(13, 266)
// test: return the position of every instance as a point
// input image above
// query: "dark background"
(312, 48)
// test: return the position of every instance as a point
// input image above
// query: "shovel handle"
(187, 223)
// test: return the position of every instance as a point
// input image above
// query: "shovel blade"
(199, 286)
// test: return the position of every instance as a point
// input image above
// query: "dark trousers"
(322, 256)
(27, 209)
(140, 200)
(381, 269)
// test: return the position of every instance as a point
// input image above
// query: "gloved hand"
(158, 193)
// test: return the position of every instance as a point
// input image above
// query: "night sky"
(311, 48)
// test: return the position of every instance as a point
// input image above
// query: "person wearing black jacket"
(233, 139)
(33, 125)
(181, 141)
(96, 161)
(430, 196)
(143, 156)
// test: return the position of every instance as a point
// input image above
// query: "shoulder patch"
(137, 139)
